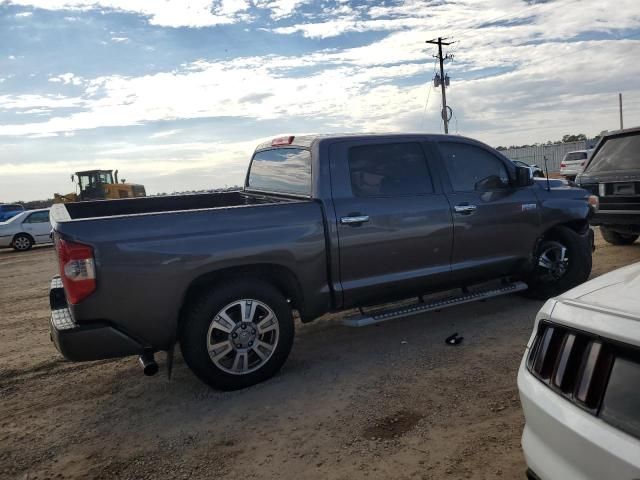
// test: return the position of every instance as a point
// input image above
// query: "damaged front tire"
(562, 261)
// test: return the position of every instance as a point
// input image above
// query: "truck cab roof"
(307, 140)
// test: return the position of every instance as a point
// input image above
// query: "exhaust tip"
(148, 363)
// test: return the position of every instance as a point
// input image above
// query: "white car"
(579, 382)
(573, 163)
(26, 229)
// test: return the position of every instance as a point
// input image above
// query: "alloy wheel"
(553, 261)
(242, 336)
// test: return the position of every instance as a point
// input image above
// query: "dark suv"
(613, 173)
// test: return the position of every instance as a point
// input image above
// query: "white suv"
(579, 382)
(573, 163)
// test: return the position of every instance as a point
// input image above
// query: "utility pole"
(441, 80)
(620, 106)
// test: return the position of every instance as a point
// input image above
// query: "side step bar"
(408, 310)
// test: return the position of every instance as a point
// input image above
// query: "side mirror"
(524, 177)
(492, 182)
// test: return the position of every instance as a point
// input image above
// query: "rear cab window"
(281, 170)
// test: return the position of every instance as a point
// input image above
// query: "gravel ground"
(380, 402)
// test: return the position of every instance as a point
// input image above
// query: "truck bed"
(171, 203)
(150, 251)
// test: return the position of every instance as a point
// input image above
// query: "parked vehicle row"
(26, 229)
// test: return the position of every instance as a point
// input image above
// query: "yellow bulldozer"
(100, 185)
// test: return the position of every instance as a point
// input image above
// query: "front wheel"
(617, 238)
(22, 242)
(238, 334)
(563, 261)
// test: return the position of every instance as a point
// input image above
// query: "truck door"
(495, 225)
(393, 221)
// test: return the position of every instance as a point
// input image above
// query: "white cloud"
(119, 39)
(175, 13)
(281, 8)
(167, 13)
(66, 79)
(165, 133)
(24, 14)
(21, 102)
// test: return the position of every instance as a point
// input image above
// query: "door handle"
(354, 220)
(465, 209)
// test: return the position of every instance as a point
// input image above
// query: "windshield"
(616, 154)
(95, 178)
(286, 170)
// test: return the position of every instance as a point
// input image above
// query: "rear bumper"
(631, 220)
(91, 341)
(561, 441)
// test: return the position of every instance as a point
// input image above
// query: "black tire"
(543, 284)
(616, 238)
(196, 333)
(22, 242)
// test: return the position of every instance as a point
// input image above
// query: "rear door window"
(37, 217)
(281, 170)
(389, 169)
(472, 168)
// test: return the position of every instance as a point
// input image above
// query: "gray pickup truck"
(323, 224)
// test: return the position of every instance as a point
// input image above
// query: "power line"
(426, 103)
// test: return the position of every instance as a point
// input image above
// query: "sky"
(176, 94)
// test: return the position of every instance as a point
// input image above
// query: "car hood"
(617, 290)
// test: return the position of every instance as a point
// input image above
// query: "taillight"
(562, 165)
(77, 269)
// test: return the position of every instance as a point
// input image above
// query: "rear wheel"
(22, 242)
(238, 334)
(563, 261)
(616, 238)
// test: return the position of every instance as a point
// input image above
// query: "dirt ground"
(380, 402)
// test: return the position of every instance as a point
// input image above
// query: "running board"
(406, 311)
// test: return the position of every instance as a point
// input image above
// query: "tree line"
(565, 139)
